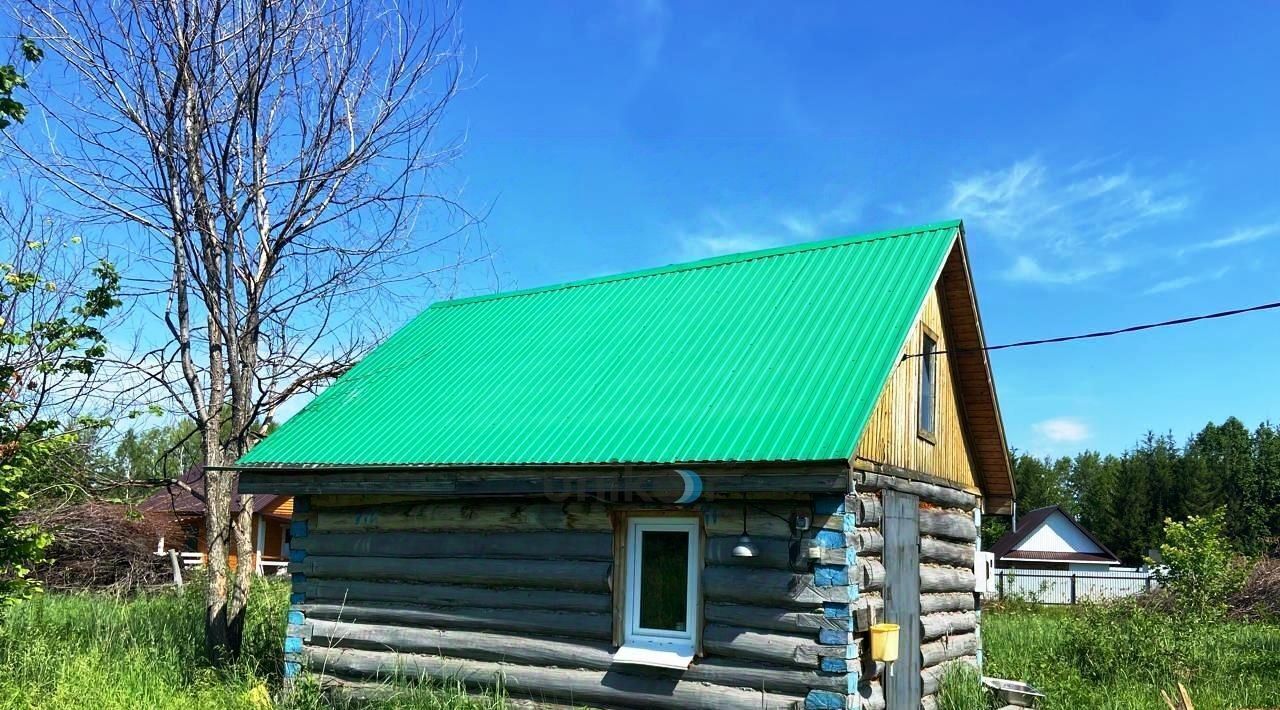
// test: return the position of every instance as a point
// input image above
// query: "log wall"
(948, 609)
(521, 588)
(401, 587)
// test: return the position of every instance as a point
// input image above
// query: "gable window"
(928, 394)
(660, 604)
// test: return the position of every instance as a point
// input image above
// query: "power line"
(1106, 333)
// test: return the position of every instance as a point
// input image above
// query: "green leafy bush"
(1198, 569)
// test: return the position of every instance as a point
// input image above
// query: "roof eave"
(321, 467)
(995, 397)
(1060, 560)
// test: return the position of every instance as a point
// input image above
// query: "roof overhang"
(982, 420)
(670, 483)
(1106, 563)
(1092, 558)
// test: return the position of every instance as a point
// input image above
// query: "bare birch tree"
(275, 164)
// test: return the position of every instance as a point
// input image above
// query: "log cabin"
(695, 486)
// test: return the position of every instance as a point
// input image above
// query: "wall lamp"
(797, 524)
(745, 547)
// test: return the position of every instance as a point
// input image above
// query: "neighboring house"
(694, 486)
(185, 504)
(1050, 539)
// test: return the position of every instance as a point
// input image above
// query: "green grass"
(962, 690)
(1119, 657)
(95, 651)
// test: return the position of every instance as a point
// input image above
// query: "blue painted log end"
(824, 700)
(831, 575)
(830, 539)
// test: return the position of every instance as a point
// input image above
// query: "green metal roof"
(774, 355)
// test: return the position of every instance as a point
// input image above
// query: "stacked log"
(948, 537)
(522, 589)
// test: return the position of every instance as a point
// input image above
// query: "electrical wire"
(1104, 333)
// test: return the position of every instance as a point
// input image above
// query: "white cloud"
(1236, 238)
(701, 246)
(1063, 227)
(997, 197)
(1062, 430)
(1182, 282)
(717, 232)
(799, 225)
(1027, 268)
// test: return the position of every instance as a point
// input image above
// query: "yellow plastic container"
(884, 642)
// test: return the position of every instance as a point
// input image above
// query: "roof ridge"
(738, 257)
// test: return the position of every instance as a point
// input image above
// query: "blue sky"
(1114, 163)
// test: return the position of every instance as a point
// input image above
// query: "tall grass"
(95, 651)
(962, 690)
(1119, 657)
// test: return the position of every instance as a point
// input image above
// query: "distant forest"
(1125, 499)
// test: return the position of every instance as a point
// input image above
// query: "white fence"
(191, 559)
(1061, 587)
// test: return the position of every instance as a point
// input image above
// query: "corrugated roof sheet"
(774, 355)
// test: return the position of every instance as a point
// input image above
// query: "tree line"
(1125, 499)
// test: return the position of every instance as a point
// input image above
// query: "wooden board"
(721, 518)
(617, 484)
(902, 595)
(977, 386)
(892, 433)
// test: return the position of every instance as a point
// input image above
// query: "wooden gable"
(892, 436)
(282, 507)
(968, 447)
